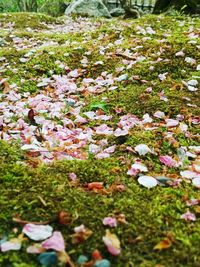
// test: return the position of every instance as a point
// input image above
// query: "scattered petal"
(142, 149)
(168, 161)
(112, 243)
(35, 249)
(37, 232)
(12, 244)
(196, 182)
(189, 174)
(147, 181)
(55, 242)
(110, 221)
(188, 216)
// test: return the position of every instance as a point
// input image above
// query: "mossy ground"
(151, 214)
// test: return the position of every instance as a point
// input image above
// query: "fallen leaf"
(64, 217)
(164, 244)
(81, 234)
(95, 185)
(4, 86)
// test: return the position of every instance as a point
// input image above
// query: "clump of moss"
(24, 20)
(151, 214)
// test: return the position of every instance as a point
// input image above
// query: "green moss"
(24, 20)
(151, 214)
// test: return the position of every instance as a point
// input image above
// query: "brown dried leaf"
(4, 86)
(80, 237)
(64, 217)
(31, 115)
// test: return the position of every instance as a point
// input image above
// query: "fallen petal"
(56, 242)
(168, 161)
(147, 181)
(142, 149)
(37, 232)
(196, 182)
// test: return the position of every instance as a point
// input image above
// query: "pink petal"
(168, 161)
(55, 242)
(188, 216)
(114, 251)
(110, 221)
(171, 123)
(13, 244)
(72, 176)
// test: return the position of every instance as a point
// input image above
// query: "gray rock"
(116, 12)
(91, 8)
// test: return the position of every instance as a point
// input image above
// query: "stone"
(117, 12)
(102, 263)
(90, 8)
(82, 259)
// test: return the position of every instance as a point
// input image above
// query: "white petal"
(147, 181)
(142, 149)
(196, 182)
(188, 174)
(192, 82)
(37, 232)
(9, 245)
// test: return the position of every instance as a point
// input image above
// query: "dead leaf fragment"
(95, 185)
(64, 217)
(164, 244)
(81, 236)
(4, 86)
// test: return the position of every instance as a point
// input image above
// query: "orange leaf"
(164, 244)
(95, 185)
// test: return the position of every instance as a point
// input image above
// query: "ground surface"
(77, 97)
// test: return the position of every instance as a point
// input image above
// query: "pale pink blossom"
(192, 202)
(73, 176)
(136, 168)
(55, 242)
(112, 243)
(168, 161)
(188, 216)
(189, 174)
(102, 155)
(110, 221)
(12, 244)
(110, 149)
(159, 114)
(103, 130)
(120, 132)
(171, 122)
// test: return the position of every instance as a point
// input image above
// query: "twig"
(18, 220)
